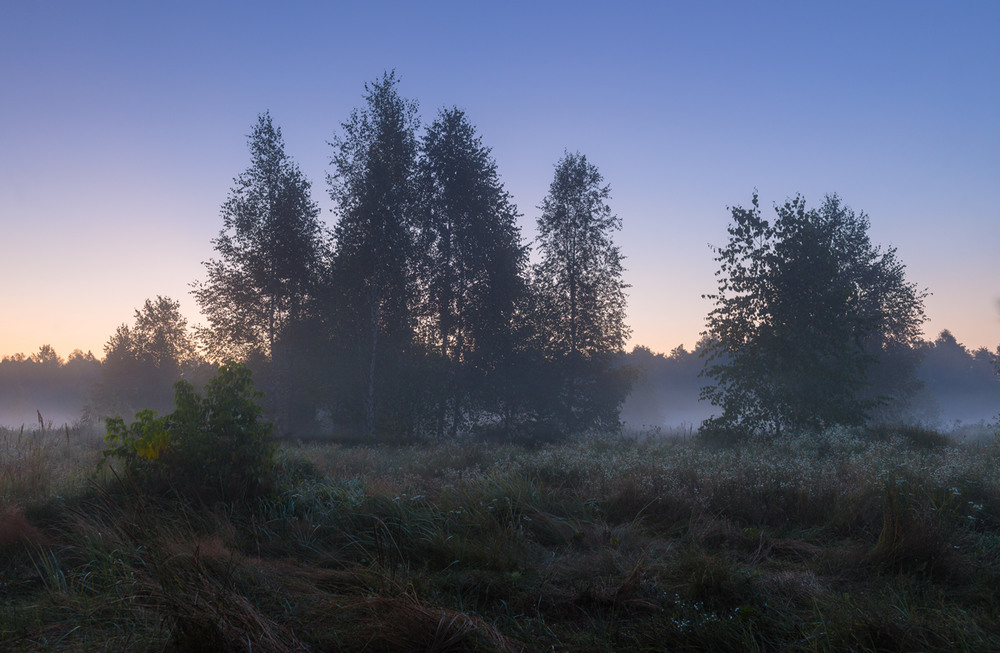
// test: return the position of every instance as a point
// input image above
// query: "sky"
(124, 124)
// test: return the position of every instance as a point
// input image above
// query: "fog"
(665, 393)
(43, 389)
(958, 387)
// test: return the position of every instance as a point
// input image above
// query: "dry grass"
(833, 543)
(36, 463)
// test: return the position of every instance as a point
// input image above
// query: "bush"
(208, 449)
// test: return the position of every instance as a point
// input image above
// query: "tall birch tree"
(373, 184)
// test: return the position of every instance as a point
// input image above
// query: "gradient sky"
(124, 124)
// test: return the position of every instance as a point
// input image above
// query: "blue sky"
(124, 124)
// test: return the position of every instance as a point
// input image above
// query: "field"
(883, 540)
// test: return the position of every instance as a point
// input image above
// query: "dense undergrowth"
(887, 540)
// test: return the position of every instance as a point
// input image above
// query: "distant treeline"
(956, 385)
(44, 384)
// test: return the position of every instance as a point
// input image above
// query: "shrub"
(211, 448)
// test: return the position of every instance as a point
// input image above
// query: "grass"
(36, 463)
(887, 540)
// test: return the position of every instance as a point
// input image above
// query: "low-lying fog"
(960, 387)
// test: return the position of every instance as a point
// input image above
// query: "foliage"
(580, 295)
(37, 462)
(472, 265)
(814, 542)
(211, 448)
(270, 253)
(372, 282)
(805, 308)
(142, 362)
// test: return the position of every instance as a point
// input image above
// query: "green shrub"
(208, 449)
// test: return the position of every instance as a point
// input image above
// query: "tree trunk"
(375, 306)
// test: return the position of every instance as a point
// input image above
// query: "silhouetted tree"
(270, 253)
(473, 262)
(373, 272)
(805, 308)
(142, 362)
(580, 292)
(46, 355)
(161, 334)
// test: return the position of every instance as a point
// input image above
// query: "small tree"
(216, 448)
(805, 308)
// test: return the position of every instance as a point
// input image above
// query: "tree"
(161, 334)
(580, 274)
(373, 271)
(579, 287)
(806, 308)
(473, 262)
(142, 362)
(270, 253)
(46, 355)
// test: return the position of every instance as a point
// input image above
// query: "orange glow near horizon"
(64, 335)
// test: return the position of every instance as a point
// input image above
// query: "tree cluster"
(937, 383)
(421, 311)
(418, 312)
(143, 361)
(957, 385)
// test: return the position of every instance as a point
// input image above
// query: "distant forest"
(419, 313)
(958, 385)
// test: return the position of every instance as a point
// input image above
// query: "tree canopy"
(806, 307)
(472, 263)
(373, 183)
(270, 252)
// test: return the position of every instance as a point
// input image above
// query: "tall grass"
(843, 541)
(36, 463)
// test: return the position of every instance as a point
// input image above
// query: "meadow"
(870, 540)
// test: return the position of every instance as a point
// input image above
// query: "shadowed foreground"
(885, 540)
